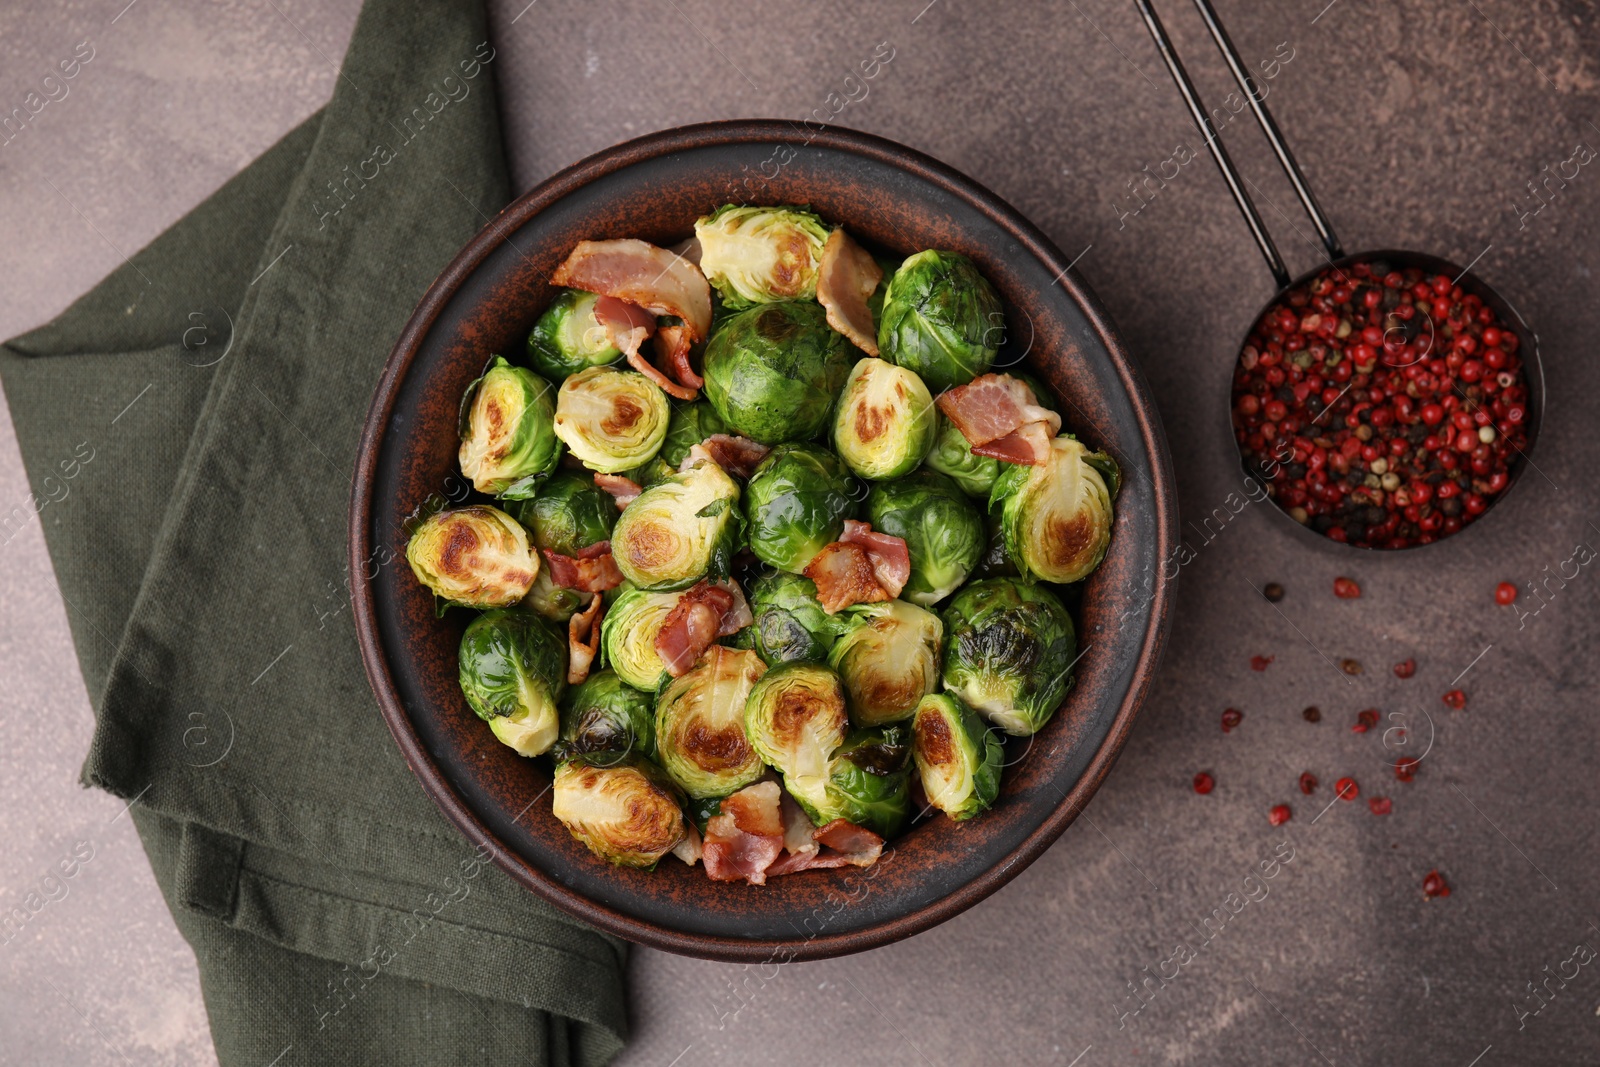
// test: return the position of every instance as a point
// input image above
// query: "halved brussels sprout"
(679, 531)
(508, 437)
(1057, 515)
(628, 635)
(606, 715)
(795, 718)
(884, 425)
(941, 318)
(952, 456)
(758, 255)
(796, 502)
(612, 420)
(869, 781)
(1009, 652)
(569, 514)
(943, 532)
(889, 660)
(568, 338)
(513, 671)
(554, 602)
(958, 758)
(773, 371)
(700, 734)
(626, 812)
(789, 621)
(476, 557)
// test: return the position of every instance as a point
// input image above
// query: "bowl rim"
(376, 426)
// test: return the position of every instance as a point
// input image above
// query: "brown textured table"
(1420, 123)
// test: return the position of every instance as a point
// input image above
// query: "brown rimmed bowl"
(486, 301)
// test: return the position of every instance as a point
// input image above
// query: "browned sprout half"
(627, 812)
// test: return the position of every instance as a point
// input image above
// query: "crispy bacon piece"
(672, 345)
(745, 837)
(1029, 445)
(702, 614)
(846, 277)
(844, 844)
(690, 849)
(891, 560)
(638, 362)
(625, 490)
(736, 455)
(799, 835)
(583, 640)
(627, 325)
(994, 405)
(653, 278)
(844, 575)
(592, 570)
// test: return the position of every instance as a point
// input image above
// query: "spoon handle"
(1230, 174)
(1269, 127)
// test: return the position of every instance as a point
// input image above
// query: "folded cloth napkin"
(189, 429)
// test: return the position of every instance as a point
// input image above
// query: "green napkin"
(189, 429)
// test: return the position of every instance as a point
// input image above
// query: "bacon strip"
(993, 406)
(891, 560)
(627, 325)
(844, 845)
(844, 575)
(690, 849)
(799, 836)
(583, 640)
(625, 490)
(589, 571)
(846, 277)
(1029, 446)
(745, 836)
(672, 345)
(736, 455)
(702, 614)
(642, 274)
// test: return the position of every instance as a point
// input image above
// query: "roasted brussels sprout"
(758, 255)
(700, 734)
(477, 557)
(627, 812)
(795, 718)
(789, 622)
(996, 561)
(943, 532)
(888, 659)
(569, 514)
(952, 456)
(884, 424)
(869, 781)
(508, 437)
(680, 530)
(941, 318)
(612, 420)
(957, 757)
(513, 671)
(604, 714)
(568, 338)
(772, 371)
(1009, 650)
(1057, 515)
(796, 502)
(628, 636)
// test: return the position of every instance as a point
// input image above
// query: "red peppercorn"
(1434, 886)
(1231, 717)
(1379, 805)
(1365, 720)
(1346, 789)
(1405, 768)
(1279, 814)
(1204, 783)
(1308, 783)
(1456, 699)
(1405, 669)
(1260, 663)
(1505, 593)
(1345, 589)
